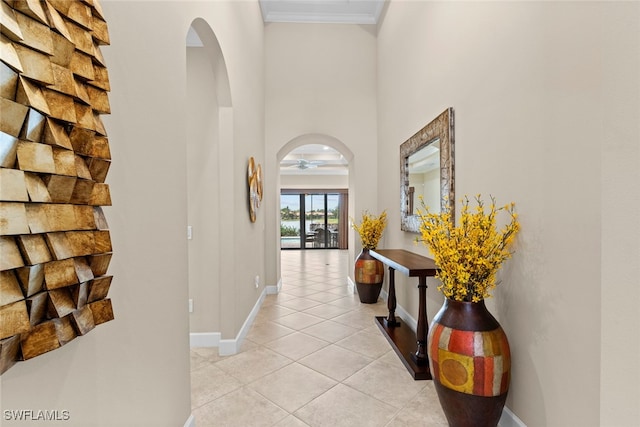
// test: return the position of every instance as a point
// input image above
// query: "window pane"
(290, 221)
(311, 220)
(333, 219)
(315, 220)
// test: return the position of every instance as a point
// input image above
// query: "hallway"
(313, 357)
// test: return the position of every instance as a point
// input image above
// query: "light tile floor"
(313, 357)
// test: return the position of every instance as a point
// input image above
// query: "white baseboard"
(274, 289)
(191, 421)
(245, 326)
(351, 285)
(408, 319)
(204, 339)
(227, 347)
(384, 295)
(402, 313)
(509, 419)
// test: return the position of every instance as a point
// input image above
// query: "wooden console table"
(410, 347)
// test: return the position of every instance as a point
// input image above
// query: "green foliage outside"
(286, 214)
(287, 230)
(311, 217)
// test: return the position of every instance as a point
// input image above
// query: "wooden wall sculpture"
(55, 245)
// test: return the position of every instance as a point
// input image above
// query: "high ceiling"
(322, 11)
(317, 159)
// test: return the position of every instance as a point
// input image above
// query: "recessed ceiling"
(314, 159)
(322, 11)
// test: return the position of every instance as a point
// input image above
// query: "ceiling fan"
(307, 164)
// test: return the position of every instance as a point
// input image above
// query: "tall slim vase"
(369, 275)
(470, 363)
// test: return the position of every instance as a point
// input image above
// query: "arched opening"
(209, 138)
(308, 176)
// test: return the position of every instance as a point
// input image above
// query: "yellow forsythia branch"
(470, 254)
(371, 229)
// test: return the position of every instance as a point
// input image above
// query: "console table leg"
(391, 300)
(422, 329)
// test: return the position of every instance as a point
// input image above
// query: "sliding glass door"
(290, 234)
(312, 219)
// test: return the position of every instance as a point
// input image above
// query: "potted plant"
(469, 354)
(368, 271)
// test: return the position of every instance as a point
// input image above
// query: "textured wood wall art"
(55, 246)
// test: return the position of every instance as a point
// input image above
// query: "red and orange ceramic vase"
(470, 362)
(369, 275)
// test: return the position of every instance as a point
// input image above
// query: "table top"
(409, 263)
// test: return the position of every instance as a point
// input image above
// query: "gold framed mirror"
(427, 171)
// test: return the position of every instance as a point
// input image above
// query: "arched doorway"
(210, 117)
(324, 182)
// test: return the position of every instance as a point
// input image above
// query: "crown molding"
(322, 11)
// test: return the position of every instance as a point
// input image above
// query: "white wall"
(538, 89)
(427, 186)
(620, 228)
(134, 370)
(321, 80)
(314, 181)
(204, 190)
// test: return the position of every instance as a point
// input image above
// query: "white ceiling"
(426, 159)
(322, 11)
(314, 159)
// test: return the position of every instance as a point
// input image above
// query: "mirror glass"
(426, 170)
(424, 178)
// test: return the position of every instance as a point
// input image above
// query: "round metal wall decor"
(254, 180)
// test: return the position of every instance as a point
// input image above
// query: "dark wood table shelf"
(403, 341)
(409, 346)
